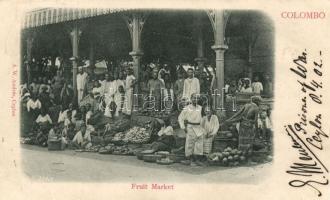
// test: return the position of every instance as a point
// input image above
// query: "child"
(264, 125)
(82, 139)
(54, 134)
(210, 123)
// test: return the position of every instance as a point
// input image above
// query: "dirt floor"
(68, 165)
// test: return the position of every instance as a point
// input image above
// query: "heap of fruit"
(137, 135)
(229, 157)
(118, 137)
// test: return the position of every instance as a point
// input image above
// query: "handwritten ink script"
(306, 132)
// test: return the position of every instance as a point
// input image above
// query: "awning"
(47, 16)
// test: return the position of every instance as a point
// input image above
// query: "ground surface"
(68, 165)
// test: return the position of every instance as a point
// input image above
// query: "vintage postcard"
(165, 99)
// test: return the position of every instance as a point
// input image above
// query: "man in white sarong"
(81, 83)
(129, 84)
(119, 94)
(190, 120)
(191, 85)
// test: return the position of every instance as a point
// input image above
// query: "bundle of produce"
(137, 135)
(27, 140)
(107, 149)
(122, 150)
(229, 157)
(94, 148)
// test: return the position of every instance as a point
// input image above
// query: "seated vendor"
(166, 140)
(82, 139)
(68, 127)
(44, 124)
(89, 112)
(55, 134)
(79, 121)
(97, 89)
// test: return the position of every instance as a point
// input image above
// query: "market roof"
(45, 16)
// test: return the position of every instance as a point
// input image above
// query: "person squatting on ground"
(166, 140)
(43, 122)
(190, 120)
(82, 139)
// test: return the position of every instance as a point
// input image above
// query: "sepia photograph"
(134, 95)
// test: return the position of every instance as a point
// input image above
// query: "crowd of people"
(51, 109)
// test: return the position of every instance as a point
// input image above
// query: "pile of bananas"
(137, 135)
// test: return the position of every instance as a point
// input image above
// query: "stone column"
(135, 22)
(75, 35)
(136, 55)
(218, 20)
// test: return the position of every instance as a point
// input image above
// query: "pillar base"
(136, 53)
(201, 59)
(220, 47)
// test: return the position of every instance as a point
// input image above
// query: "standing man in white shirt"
(190, 120)
(257, 86)
(81, 83)
(191, 85)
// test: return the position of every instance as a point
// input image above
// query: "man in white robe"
(257, 86)
(191, 85)
(81, 83)
(129, 87)
(119, 95)
(190, 120)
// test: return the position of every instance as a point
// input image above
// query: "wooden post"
(200, 44)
